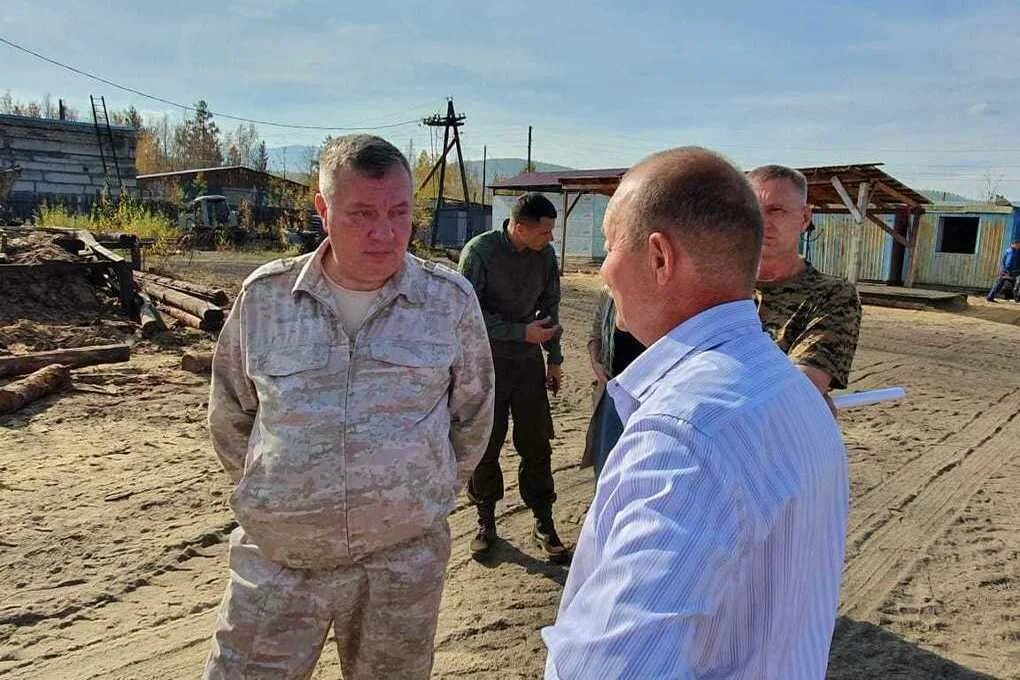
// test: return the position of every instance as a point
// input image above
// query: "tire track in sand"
(898, 520)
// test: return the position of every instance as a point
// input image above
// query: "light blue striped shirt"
(714, 545)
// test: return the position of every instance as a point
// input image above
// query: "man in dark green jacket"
(515, 275)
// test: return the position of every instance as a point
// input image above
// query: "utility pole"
(451, 121)
(529, 169)
(484, 157)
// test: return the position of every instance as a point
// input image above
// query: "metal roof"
(221, 168)
(558, 180)
(887, 192)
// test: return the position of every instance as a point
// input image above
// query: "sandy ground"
(114, 516)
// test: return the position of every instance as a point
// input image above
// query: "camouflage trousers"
(273, 620)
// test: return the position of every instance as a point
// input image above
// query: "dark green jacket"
(514, 288)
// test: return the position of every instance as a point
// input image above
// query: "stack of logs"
(194, 305)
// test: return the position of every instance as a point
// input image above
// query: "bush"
(126, 215)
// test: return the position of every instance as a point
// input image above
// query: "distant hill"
(506, 167)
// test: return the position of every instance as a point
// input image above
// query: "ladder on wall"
(104, 137)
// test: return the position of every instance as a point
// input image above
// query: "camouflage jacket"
(815, 318)
(340, 447)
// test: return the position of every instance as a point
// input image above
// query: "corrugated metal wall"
(828, 247)
(962, 270)
(584, 228)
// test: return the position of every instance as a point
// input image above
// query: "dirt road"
(114, 516)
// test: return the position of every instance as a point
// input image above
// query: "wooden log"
(210, 314)
(182, 316)
(44, 381)
(217, 296)
(20, 364)
(148, 316)
(197, 362)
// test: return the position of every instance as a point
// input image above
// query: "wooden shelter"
(831, 189)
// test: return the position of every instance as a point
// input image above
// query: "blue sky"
(930, 88)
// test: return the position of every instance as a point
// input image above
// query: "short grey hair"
(367, 155)
(767, 173)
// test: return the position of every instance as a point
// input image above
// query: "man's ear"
(320, 207)
(662, 258)
(805, 218)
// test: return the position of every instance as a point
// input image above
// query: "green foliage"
(197, 139)
(107, 215)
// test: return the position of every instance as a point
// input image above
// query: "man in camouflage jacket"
(813, 317)
(351, 400)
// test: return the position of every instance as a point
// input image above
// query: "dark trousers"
(1001, 281)
(604, 431)
(520, 392)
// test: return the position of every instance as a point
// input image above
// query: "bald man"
(714, 544)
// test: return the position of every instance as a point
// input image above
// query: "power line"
(185, 107)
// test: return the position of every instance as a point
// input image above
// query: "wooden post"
(563, 238)
(463, 174)
(856, 242)
(442, 182)
(915, 228)
(485, 152)
(528, 169)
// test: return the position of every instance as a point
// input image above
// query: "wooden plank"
(903, 198)
(845, 197)
(573, 204)
(121, 266)
(856, 240)
(21, 364)
(563, 241)
(886, 228)
(912, 250)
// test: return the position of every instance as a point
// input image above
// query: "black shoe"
(991, 299)
(549, 541)
(484, 537)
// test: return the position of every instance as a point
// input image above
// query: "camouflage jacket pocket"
(412, 353)
(415, 376)
(281, 361)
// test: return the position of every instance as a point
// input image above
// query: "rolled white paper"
(868, 397)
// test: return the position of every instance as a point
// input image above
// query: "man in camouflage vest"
(351, 399)
(813, 317)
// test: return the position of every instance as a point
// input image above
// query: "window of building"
(958, 235)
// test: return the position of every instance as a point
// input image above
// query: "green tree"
(197, 140)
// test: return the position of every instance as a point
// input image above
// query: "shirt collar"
(710, 328)
(408, 282)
